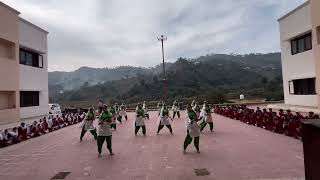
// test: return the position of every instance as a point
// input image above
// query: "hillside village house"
(23, 68)
(300, 54)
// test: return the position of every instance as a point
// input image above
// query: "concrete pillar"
(311, 148)
(315, 20)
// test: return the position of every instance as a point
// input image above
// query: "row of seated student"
(282, 122)
(26, 131)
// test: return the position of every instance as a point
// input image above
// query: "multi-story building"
(300, 54)
(23, 68)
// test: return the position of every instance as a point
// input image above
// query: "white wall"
(298, 66)
(33, 78)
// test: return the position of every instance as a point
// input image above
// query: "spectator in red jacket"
(33, 131)
(40, 129)
(23, 132)
(45, 125)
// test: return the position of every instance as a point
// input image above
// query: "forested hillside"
(215, 77)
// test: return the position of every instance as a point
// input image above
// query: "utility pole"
(163, 38)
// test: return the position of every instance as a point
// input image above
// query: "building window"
(303, 86)
(301, 44)
(29, 98)
(31, 58)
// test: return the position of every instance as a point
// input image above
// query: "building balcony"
(9, 116)
(7, 49)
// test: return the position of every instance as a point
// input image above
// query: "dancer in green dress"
(206, 117)
(175, 109)
(139, 122)
(104, 130)
(112, 110)
(196, 109)
(88, 124)
(193, 130)
(164, 119)
(159, 106)
(145, 109)
(123, 112)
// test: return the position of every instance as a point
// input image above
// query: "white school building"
(23, 68)
(300, 54)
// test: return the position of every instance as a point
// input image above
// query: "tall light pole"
(163, 38)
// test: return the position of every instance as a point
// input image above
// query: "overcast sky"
(100, 33)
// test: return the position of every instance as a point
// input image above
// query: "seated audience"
(284, 122)
(26, 131)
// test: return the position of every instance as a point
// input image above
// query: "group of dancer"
(196, 121)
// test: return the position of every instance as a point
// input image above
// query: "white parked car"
(54, 109)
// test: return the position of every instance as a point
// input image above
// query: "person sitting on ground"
(45, 125)
(23, 132)
(61, 122)
(68, 121)
(75, 118)
(252, 118)
(289, 115)
(28, 130)
(8, 137)
(294, 126)
(34, 127)
(50, 125)
(298, 116)
(258, 110)
(3, 139)
(259, 122)
(78, 118)
(310, 115)
(33, 131)
(40, 129)
(56, 123)
(13, 135)
(275, 121)
(281, 113)
(268, 122)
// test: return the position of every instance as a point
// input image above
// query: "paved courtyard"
(234, 151)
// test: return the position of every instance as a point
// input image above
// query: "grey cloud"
(101, 33)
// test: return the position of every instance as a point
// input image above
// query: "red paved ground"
(234, 151)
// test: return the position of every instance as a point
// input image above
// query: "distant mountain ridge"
(187, 77)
